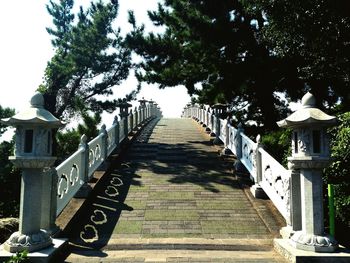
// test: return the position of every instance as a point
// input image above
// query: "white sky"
(25, 48)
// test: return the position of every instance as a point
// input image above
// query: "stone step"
(136, 256)
(189, 243)
(179, 250)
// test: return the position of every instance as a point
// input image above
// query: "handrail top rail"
(70, 158)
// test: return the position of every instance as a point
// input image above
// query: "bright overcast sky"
(25, 48)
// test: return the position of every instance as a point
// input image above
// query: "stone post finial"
(115, 120)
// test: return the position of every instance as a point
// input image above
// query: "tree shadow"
(93, 226)
(186, 162)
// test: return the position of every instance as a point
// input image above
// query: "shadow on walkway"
(166, 184)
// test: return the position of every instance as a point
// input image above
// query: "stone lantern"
(142, 108)
(310, 154)
(219, 110)
(143, 102)
(33, 153)
(123, 108)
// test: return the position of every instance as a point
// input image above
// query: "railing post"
(212, 123)
(131, 121)
(142, 108)
(207, 117)
(204, 116)
(256, 189)
(143, 113)
(140, 115)
(104, 145)
(126, 127)
(136, 118)
(148, 111)
(85, 151)
(238, 145)
(124, 115)
(116, 131)
(226, 149)
(207, 129)
(217, 127)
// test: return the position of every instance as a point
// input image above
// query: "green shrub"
(278, 144)
(338, 173)
(11, 181)
(20, 257)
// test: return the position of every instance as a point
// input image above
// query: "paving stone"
(175, 185)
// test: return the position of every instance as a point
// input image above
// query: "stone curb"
(190, 244)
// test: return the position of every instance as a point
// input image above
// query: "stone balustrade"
(296, 192)
(273, 179)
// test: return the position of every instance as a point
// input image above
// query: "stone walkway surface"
(171, 192)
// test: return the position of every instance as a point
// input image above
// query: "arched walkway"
(173, 191)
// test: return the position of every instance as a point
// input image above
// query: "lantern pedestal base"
(315, 243)
(48, 254)
(19, 242)
(292, 254)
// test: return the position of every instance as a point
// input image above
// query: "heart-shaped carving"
(89, 234)
(111, 191)
(116, 181)
(99, 217)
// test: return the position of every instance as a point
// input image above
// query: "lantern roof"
(220, 106)
(142, 100)
(36, 114)
(123, 104)
(308, 115)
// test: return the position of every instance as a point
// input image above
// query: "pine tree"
(315, 36)
(90, 58)
(216, 45)
(5, 113)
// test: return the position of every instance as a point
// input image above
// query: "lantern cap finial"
(37, 101)
(308, 101)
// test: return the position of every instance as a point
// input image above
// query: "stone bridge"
(150, 189)
(172, 197)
